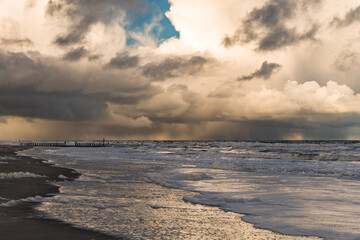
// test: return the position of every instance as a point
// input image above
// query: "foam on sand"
(19, 175)
(93, 177)
(7, 158)
(168, 179)
(11, 203)
(214, 201)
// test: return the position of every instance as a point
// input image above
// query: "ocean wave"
(216, 201)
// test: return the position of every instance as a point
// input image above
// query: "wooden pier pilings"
(65, 144)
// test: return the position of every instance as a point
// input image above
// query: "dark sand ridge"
(20, 221)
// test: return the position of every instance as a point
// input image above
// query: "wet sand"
(20, 221)
(152, 211)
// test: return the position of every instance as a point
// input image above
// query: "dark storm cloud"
(94, 57)
(267, 26)
(84, 13)
(124, 60)
(74, 36)
(15, 60)
(75, 54)
(219, 130)
(69, 106)
(174, 67)
(282, 37)
(240, 130)
(16, 41)
(47, 88)
(271, 129)
(264, 72)
(306, 125)
(350, 17)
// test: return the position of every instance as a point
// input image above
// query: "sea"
(300, 188)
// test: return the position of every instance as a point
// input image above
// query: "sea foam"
(19, 175)
(11, 203)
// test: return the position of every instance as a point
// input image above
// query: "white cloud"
(292, 100)
(331, 98)
(20, 20)
(203, 23)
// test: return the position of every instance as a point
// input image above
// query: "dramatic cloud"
(36, 87)
(123, 61)
(264, 72)
(85, 69)
(174, 67)
(268, 27)
(351, 17)
(26, 102)
(75, 54)
(83, 14)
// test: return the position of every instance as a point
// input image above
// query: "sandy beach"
(20, 221)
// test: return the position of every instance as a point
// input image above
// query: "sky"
(180, 69)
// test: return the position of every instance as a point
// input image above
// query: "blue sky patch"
(140, 20)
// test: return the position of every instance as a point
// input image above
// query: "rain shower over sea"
(300, 188)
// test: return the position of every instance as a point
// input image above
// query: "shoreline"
(145, 206)
(23, 216)
(20, 221)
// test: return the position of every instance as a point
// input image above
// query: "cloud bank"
(239, 70)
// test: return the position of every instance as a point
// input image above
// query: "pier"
(102, 143)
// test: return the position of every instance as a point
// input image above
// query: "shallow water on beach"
(297, 188)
